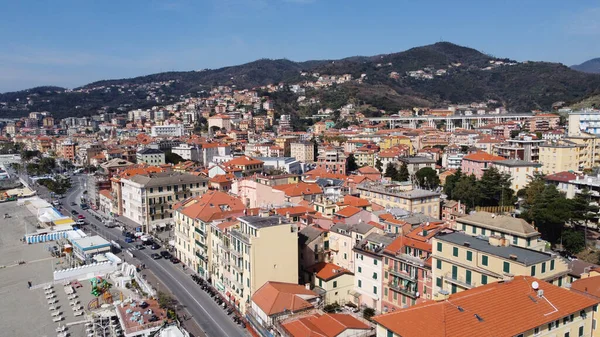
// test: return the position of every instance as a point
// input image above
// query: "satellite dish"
(535, 285)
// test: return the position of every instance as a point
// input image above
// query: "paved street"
(203, 309)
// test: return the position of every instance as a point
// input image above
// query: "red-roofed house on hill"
(248, 165)
(476, 163)
(524, 306)
(332, 282)
(562, 181)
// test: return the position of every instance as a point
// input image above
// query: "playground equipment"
(99, 286)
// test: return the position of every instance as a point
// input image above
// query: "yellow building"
(589, 149)
(403, 196)
(522, 307)
(560, 157)
(261, 249)
(365, 157)
(332, 282)
(391, 141)
(461, 262)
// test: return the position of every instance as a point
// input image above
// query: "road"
(205, 312)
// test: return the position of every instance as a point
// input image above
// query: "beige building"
(332, 282)
(149, 199)
(520, 171)
(515, 231)
(560, 157)
(403, 196)
(261, 249)
(343, 237)
(303, 151)
(589, 149)
(461, 262)
(522, 307)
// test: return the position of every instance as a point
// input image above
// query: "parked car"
(73, 204)
(155, 256)
(174, 260)
(80, 222)
(165, 254)
(74, 212)
(139, 247)
(80, 216)
(155, 246)
(128, 239)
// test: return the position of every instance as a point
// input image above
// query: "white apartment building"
(188, 152)
(148, 199)
(169, 130)
(303, 151)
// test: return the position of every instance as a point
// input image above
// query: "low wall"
(85, 272)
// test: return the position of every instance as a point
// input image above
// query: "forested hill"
(432, 75)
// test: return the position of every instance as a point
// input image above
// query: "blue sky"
(71, 43)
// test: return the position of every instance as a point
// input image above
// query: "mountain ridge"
(590, 66)
(429, 76)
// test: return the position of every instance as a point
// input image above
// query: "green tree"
(573, 241)
(495, 188)
(403, 174)
(467, 191)
(427, 178)
(368, 313)
(351, 163)
(550, 213)
(581, 210)
(391, 171)
(450, 183)
(379, 166)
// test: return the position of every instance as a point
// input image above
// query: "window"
(439, 246)
(454, 251)
(390, 333)
(464, 227)
(552, 265)
(483, 231)
(506, 267)
(580, 331)
(335, 284)
(469, 256)
(375, 290)
(515, 240)
(483, 279)
(359, 283)
(438, 264)
(536, 331)
(438, 282)
(543, 267)
(484, 260)
(567, 334)
(474, 230)
(374, 276)
(374, 262)
(345, 256)
(360, 269)
(320, 283)
(532, 270)
(550, 326)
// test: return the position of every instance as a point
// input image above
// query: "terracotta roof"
(210, 204)
(356, 201)
(295, 210)
(298, 189)
(398, 245)
(504, 309)
(368, 170)
(348, 211)
(243, 161)
(482, 156)
(564, 176)
(327, 271)
(588, 286)
(276, 297)
(106, 193)
(328, 325)
(222, 178)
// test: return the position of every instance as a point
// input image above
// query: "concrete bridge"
(464, 121)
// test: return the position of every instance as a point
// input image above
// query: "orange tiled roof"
(505, 308)
(210, 204)
(298, 189)
(348, 211)
(277, 297)
(327, 271)
(328, 325)
(295, 210)
(356, 201)
(482, 156)
(243, 161)
(588, 286)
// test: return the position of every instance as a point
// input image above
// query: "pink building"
(476, 163)
(333, 161)
(254, 194)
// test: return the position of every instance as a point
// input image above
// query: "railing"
(198, 243)
(403, 274)
(202, 257)
(401, 289)
(235, 253)
(455, 279)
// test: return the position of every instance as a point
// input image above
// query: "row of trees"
(423, 178)
(555, 216)
(493, 189)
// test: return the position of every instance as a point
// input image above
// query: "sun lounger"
(52, 308)
(57, 319)
(48, 287)
(78, 313)
(61, 328)
(52, 301)
(56, 314)
(50, 296)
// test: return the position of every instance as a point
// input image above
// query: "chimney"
(307, 286)
(513, 257)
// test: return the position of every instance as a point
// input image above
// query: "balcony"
(199, 231)
(202, 257)
(462, 282)
(403, 274)
(198, 243)
(236, 253)
(408, 291)
(237, 268)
